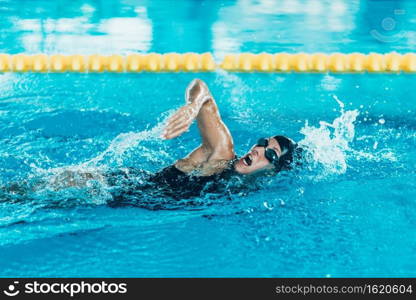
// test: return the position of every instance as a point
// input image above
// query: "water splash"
(123, 142)
(236, 91)
(327, 145)
(85, 181)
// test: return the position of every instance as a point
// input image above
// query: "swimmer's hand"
(180, 121)
(196, 95)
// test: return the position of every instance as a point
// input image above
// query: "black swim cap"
(288, 147)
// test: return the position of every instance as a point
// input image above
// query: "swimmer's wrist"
(197, 102)
(195, 105)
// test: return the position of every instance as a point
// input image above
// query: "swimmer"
(202, 170)
(210, 166)
(216, 152)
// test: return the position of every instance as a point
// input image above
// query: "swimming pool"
(350, 212)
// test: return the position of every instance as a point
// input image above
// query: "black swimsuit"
(131, 186)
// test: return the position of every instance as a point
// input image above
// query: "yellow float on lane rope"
(194, 62)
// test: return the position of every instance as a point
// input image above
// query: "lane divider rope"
(194, 62)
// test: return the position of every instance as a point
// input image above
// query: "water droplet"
(382, 121)
(267, 205)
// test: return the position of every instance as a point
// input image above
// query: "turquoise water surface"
(349, 212)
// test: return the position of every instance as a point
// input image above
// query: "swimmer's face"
(255, 160)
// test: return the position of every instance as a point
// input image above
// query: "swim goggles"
(269, 153)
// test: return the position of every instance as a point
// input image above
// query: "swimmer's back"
(185, 185)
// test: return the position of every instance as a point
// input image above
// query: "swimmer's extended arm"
(217, 146)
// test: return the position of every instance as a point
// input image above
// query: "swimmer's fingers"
(178, 123)
(173, 122)
(177, 115)
(181, 119)
(175, 127)
(175, 132)
(187, 112)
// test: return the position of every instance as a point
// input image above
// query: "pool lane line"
(194, 62)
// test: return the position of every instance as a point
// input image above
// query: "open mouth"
(247, 160)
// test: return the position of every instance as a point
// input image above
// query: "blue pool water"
(349, 212)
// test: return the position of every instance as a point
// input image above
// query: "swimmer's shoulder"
(209, 168)
(215, 164)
